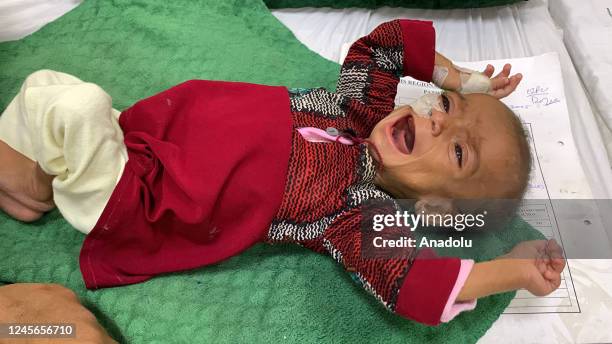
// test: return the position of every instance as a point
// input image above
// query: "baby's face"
(466, 151)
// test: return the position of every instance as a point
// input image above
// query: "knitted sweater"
(215, 167)
(330, 182)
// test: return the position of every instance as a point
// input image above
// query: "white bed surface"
(19, 18)
(588, 37)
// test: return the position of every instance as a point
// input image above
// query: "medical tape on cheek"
(473, 81)
(426, 104)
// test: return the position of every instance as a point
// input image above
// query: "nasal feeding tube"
(426, 104)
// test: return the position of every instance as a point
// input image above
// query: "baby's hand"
(543, 263)
(448, 76)
(533, 265)
(502, 84)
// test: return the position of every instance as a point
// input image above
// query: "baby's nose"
(438, 122)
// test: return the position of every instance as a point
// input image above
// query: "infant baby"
(206, 169)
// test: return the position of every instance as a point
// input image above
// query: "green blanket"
(134, 49)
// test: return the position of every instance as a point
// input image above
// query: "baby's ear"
(435, 206)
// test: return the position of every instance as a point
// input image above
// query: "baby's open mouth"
(402, 134)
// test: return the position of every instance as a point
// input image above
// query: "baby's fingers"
(489, 70)
(553, 278)
(499, 82)
(555, 252)
(505, 72)
(505, 86)
(515, 80)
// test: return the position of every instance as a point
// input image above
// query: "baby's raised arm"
(374, 63)
(448, 76)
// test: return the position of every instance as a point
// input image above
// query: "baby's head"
(474, 149)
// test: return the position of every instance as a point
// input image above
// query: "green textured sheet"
(134, 49)
(391, 3)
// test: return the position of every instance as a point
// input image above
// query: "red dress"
(215, 167)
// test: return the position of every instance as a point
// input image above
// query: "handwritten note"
(540, 95)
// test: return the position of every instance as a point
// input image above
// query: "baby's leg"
(62, 129)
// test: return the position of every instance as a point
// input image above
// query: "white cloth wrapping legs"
(70, 128)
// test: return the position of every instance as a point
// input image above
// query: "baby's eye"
(459, 154)
(445, 103)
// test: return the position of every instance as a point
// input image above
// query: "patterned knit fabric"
(328, 182)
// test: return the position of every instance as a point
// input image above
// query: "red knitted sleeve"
(414, 284)
(374, 63)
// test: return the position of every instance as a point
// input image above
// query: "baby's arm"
(413, 283)
(533, 265)
(374, 63)
(421, 286)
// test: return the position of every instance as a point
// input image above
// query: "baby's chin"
(394, 187)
